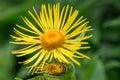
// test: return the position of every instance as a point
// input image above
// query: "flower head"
(58, 34)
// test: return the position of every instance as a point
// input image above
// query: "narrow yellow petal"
(41, 57)
(51, 56)
(64, 18)
(20, 40)
(43, 19)
(65, 52)
(31, 59)
(82, 55)
(30, 25)
(37, 21)
(20, 33)
(61, 17)
(31, 50)
(25, 38)
(46, 17)
(47, 56)
(75, 61)
(26, 29)
(27, 43)
(70, 21)
(77, 56)
(70, 13)
(76, 24)
(72, 47)
(63, 58)
(23, 35)
(26, 48)
(84, 38)
(75, 42)
(84, 43)
(56, 56)
(50, 16)
(79, 30)
(85, 47)
(56, 9)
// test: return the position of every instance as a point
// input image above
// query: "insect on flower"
(55, 69)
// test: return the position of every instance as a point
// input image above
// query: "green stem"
(48, 77)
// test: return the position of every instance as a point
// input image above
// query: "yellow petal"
(56, 12)
(84, 38)
(65, 52)
(26, 52)
(50, 16)
(76, 24)
(41, 57)
(75, 61)
(26, 48)
(85, 47)
(32, 58)
(56, 56)
(30, 25)
(82, 55)
(26, 29)
(71, 47)
(37, 21)
(70, 21)
(64, 18)
(63, 58)
(79, 30)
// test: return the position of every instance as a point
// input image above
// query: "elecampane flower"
(58, 34)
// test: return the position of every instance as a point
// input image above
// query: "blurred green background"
(104, 16)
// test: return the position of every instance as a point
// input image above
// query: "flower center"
(52, 40)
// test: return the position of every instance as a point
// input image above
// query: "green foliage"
(104, 16)
(17, 78)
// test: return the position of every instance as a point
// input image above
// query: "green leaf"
(107, 51)
(98, 72)
(6, 62)
(36, 78)
(23, 71)
(17, 78)
(92, 71)
(70, 74)
(96, 37)
(113, 23)
(85, 6)
(45, 77)
(11, 12)
(112, 64)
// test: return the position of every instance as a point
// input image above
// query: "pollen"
(56, 69)
(52, 40)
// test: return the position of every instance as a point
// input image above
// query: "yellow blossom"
(58, 34)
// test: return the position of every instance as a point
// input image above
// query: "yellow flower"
(58, 34)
